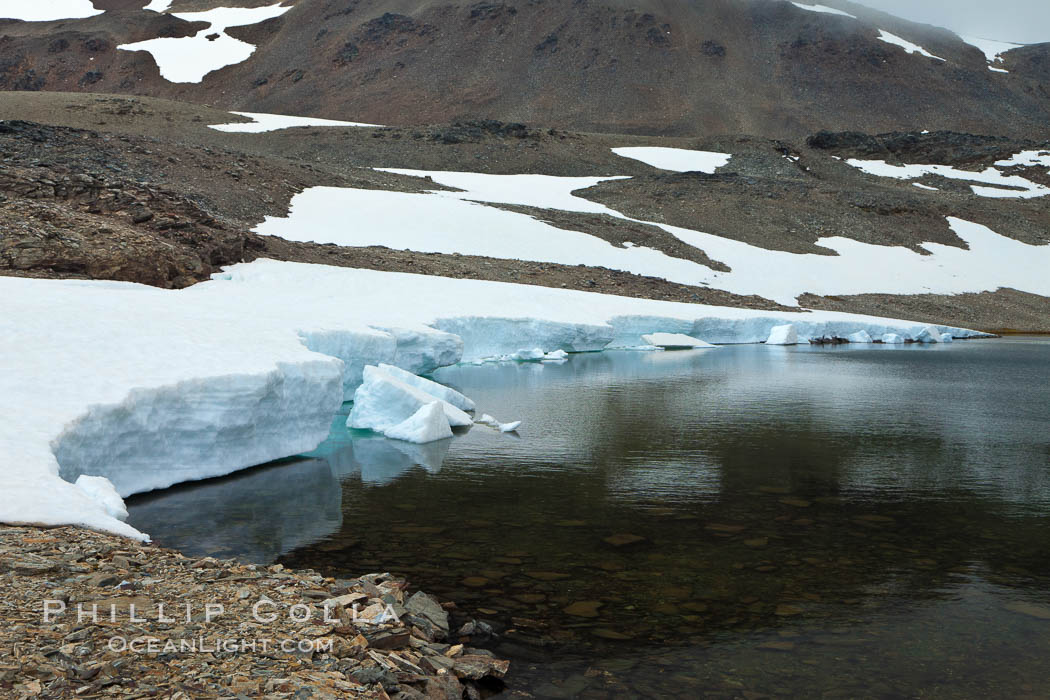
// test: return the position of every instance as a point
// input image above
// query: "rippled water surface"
(798, 522)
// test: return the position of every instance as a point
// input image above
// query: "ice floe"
(428, 424)
(1023, 188)
(47, 10)
(383, 401)
(273, 122)
(675, 341)
(189, 59)
(905, 44)
(822, 8)
(440, 391)
(148, 387)
(678, 160)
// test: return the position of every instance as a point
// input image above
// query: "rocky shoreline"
(90, 615)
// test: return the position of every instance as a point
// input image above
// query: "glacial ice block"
(440, 391)
(675, 341)
(929, 334)
(947, 338)
(860, 337)
(383, 401)
(783, 335)
(428, 424)
(892, 339)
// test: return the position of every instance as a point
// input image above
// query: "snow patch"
(1025, 189)
(823, 8)
(905, 44)
(1026, 159)
(47, 10)
(273, 122)
(679, 160)
(992, 50)
(158, 5)
(189, 59)
(101, 490)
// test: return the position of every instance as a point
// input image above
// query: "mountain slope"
(764, 67)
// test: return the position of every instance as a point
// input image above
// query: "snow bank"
(675, 341)
(823, 8)
(272, 122)
(149, 387)
(460, 222)
(905, 44)
(783, 335)
(679, 160)
(47, 10)
(189, 59)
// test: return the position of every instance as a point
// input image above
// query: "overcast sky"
(1021, 21)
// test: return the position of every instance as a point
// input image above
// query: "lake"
(848, 521)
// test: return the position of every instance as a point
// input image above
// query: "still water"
(867, 521)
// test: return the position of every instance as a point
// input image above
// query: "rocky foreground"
(88, 615)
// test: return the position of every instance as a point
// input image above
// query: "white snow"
(993, 50)
(448, 222)
(158, 5)
(679, 160)
(859, 337)
(670, 341)
(997, 70)
(925, 187)
(101, 490)
(786, 334)
(47, 10)
(273, 122)
(383, 401)
(823, 8)
(428, 424)
(189, 59)
(1026, 189)
(905, 44)
(1026, 159)
(892, 339)
(440, 391)
(149, 387)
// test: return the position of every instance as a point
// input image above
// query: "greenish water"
(811, 522)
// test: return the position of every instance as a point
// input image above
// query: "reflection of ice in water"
(382, 460)
(258, 514)
(261, 514)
